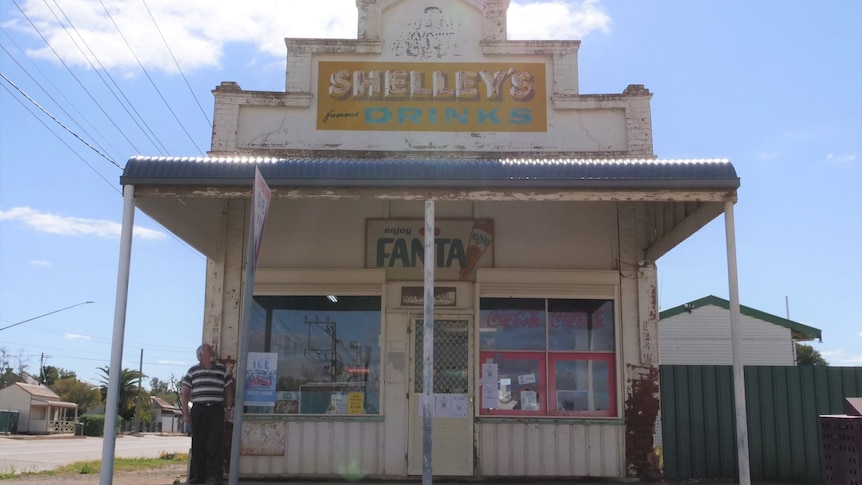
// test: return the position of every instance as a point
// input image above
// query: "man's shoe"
(196, 480)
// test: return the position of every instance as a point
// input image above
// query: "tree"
(169, 391)
(7, 375)
(128, 392)
(51, 374)
(85, 395)
(808, 355)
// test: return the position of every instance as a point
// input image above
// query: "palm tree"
(129, 390)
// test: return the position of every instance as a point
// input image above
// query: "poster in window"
(260, 379)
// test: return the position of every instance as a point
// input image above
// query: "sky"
(774, 86)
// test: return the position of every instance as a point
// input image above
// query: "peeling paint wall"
(640, 345)
(440, 31)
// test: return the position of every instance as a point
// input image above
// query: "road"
(29, 454)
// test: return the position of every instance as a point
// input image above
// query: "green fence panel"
(783, 405)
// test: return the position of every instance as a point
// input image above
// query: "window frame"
(599, 356)
(541, 383)
(269, 282)
(548, 285)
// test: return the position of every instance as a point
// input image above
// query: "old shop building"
(550, 207)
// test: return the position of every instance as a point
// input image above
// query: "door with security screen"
(452, 424)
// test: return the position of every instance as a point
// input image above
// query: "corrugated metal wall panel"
(321, 448)
(550, 449)
(783, 406)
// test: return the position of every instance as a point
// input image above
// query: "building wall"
(535, 244)
(283, 123)
(15, 398)
(541, 247)
(702, 337)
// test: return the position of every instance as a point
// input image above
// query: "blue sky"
(775, 86)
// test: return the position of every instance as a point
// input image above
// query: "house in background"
(40, 410)
(167, 418)
(698, 333)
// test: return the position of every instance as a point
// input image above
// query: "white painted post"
(736, 339)
(112, 404)
(428, 347)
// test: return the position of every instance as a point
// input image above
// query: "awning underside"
(675, 198)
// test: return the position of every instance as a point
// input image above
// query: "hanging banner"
(260, 208)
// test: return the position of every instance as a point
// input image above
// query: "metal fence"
(782, 404)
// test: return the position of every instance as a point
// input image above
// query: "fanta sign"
(392, 96)
(398, 246)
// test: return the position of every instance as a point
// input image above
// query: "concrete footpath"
(497, 481)
(34, 453)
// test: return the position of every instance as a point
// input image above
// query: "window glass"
(328, 353)
(512, 324)
(580, 386)
(581, 324)
(547, 357)
(520, 382)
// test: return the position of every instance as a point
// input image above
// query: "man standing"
(207, 385)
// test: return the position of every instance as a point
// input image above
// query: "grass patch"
(120, 465)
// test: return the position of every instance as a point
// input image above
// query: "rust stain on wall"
(642, 408)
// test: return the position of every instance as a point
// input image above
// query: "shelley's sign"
(452, 97)
(398, 246)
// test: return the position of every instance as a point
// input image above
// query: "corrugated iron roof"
(433, 172)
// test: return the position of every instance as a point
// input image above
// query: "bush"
(94, 424)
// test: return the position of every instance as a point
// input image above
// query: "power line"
(203, 112)
(122, 133)
(57, 90)
(46, 314)
(137, 116)
(119, 31)
(36, 104)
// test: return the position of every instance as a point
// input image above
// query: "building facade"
(550, 210)
(698, 333)
(40, 410)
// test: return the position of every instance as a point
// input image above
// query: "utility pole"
(42, 376)
(138, 405)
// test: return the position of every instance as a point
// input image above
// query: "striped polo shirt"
(207, 385)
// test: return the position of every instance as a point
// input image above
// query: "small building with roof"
(698, 333)
(544, 209)
(40, 410)
(167, 417)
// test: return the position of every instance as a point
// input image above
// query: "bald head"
(205, 353)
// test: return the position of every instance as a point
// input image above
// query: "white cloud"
(839, 357)
(37, 262)
(75, 336)
(555, 19)
(847, 157)
(198, 31)
(171, 362)
(73, 226)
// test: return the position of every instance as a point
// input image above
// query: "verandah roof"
(621, 174)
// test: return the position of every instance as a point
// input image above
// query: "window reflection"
(552, 357)
(328, 353)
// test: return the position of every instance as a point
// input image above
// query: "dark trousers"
(207, 458)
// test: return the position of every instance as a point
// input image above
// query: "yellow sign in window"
(355, 403)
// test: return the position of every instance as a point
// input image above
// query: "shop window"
(547, 357)
(326, 354)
